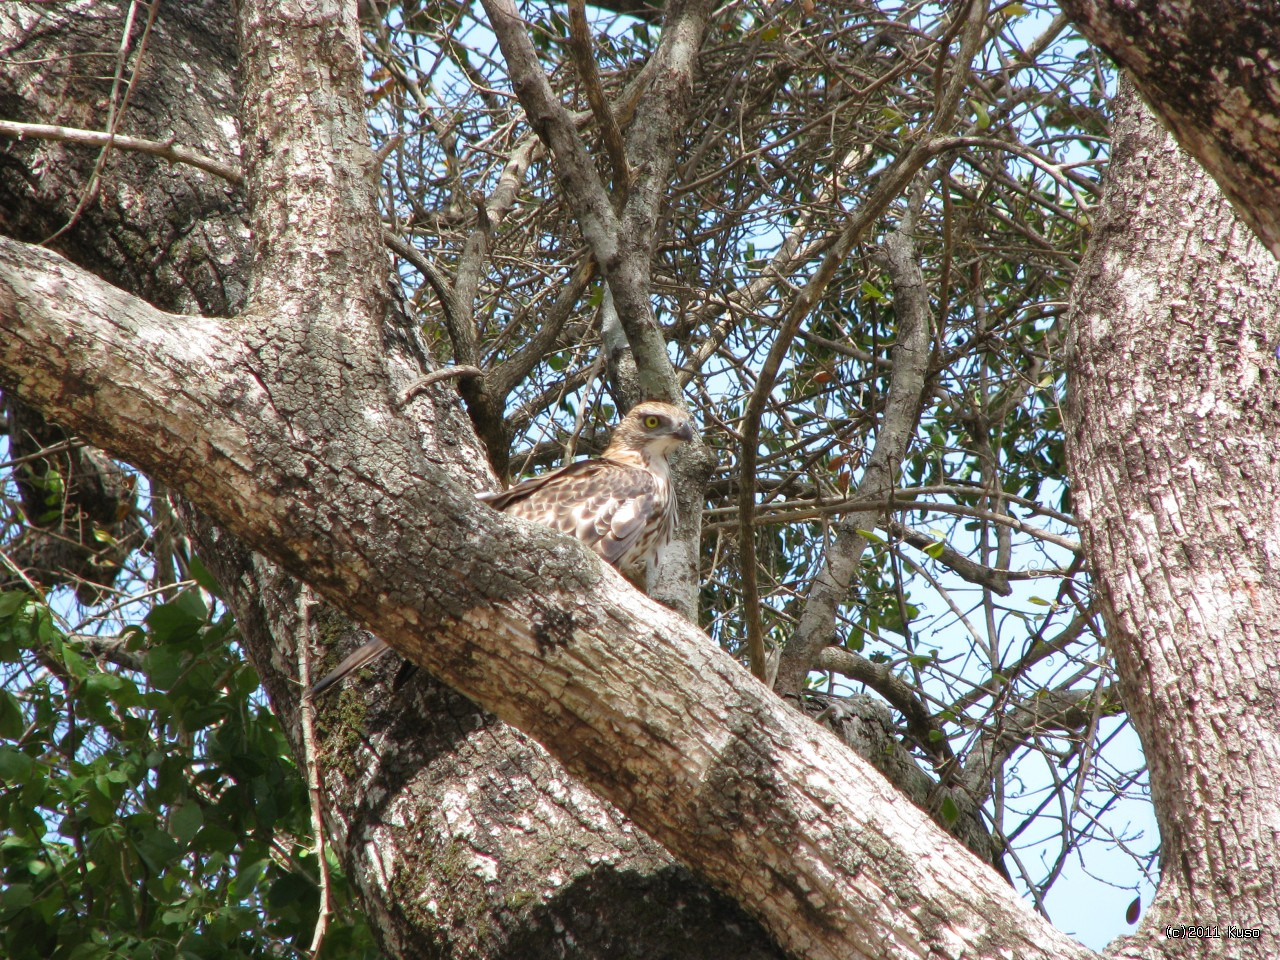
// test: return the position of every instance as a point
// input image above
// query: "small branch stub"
(435, 376)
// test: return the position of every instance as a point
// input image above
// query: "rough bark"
(182, 260)
(627, 694)
(282, 424)
(547, 861)
(179, 259)
(1172, 419)
(1209, 70)
(621, 229)
(463, 835)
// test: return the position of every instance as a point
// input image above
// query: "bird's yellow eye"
(651, 421)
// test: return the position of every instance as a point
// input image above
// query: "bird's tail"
(366, 654)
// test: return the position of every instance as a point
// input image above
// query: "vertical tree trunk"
(1172, 419)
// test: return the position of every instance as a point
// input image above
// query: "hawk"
(620, 504)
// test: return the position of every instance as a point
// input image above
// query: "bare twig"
(863, 505)
(21, 574)
(307, 718)
(115, 111)
(892, 182)
(439, 282)
(556, 128)
(880, 677)
(65, 445)
(165, 150)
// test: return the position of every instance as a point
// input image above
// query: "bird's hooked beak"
(684, 432)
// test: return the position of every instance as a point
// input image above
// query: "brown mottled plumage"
(621, 505)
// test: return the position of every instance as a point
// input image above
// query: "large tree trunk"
(1172, 420)
(462, 834)
(283, 424)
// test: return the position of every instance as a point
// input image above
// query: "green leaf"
(247, 879)
(136, 637)
(289, 888)
(15, 766)
(246, 680)
(980, 111)
(185, 821)
(17, 896)
(936, 549)
(157, 849)
(201, 575)
(215, 840)
(76, 665)
(176, 622)
(127, 694)
(45, 636)
(165, 665)
(950, 812)
(98, 802)
(103, 683)
(11, 602)
(12, 722)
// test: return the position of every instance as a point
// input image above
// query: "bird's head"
(651, 430)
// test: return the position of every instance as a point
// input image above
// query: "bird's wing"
(504, 499)
(620, 512)
(603, 503)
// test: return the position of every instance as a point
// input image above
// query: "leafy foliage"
(150, 812)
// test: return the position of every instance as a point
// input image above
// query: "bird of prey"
(620, 504)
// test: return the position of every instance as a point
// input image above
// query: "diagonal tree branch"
(585, 62)
(628, 694)
(555, 127)
(910, 359)
(894, 180)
